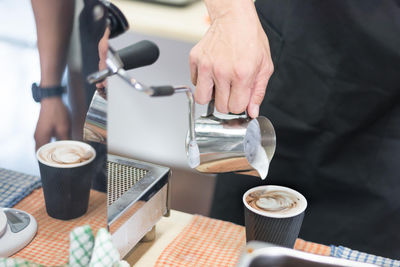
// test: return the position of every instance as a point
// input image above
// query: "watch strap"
(38, 93)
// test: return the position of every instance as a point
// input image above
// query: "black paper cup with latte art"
(273, 214)
(66, 174)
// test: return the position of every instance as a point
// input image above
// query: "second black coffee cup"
(273, 214)
(66, 175)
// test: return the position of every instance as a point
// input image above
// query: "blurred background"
(19, 68)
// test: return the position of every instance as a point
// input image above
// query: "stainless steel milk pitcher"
(233, 143)
(95, 127)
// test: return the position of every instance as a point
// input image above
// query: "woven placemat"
(210, 242)
(51, 243)
(14, 186)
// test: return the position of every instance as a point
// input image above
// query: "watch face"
(35, 92)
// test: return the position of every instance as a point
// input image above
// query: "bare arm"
(54, 24)
(233, 58)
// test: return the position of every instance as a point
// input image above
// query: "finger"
(101, 90)
(222, 92)
(205, 84)
(240, 91)
(258, 92)
(256, 99)
(103, 48)
(193, 66)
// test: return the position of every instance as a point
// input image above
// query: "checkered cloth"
(205, 242)
(85, 251)
(104, 252)
(346, 253)
(311, 247)
(209, 242)
(14, 186)
(51, 244)
(9, 262)
(81, 246)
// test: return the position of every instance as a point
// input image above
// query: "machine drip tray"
(137, 197)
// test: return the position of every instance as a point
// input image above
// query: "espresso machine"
(137, 192)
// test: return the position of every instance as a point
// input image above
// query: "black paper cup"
(273, 227)
(66, 188)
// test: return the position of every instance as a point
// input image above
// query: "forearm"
(54, 19)
(220, 8)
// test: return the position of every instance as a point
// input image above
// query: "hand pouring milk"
(219, 143)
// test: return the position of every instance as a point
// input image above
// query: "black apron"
(334, 100)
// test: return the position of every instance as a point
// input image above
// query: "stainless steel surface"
(135, 84)
(137, 197)
(95, 127)
(138, 223)
(189, 94)
(221, 140)
(154, 178)
(121, 178)
(115, 66)
(263, 254)
(98, 76)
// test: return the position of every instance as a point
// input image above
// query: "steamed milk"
(61, 153)
(276, 201)
(255, 153)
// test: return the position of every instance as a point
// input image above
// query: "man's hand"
(53, 121)
(103, 49)
(233, 59)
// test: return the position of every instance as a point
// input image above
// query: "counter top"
(188, 23)
(147, 253)
(200, 239)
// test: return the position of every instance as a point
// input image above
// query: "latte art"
(272, 201)
(65, 154)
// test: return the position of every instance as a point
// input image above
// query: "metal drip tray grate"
(121, 178)
(137, 197)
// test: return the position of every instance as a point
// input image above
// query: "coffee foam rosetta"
(65, 154)
(278, 203)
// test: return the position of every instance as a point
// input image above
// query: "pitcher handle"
(211, 108)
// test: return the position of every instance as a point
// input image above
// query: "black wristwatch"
(38, 93)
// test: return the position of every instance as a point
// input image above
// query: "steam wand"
(116, 66)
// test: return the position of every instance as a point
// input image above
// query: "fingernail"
(254, 111)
